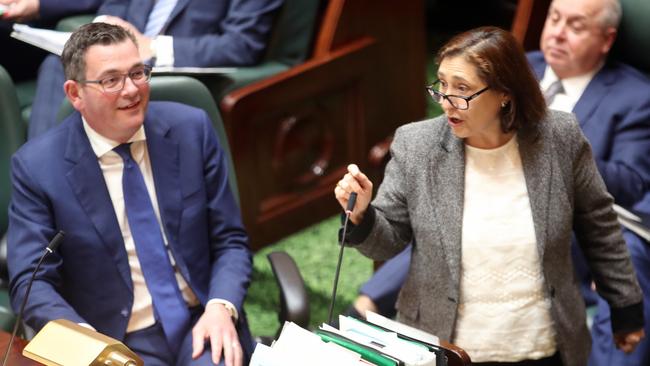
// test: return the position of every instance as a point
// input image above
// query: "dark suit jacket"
(421, 200)
(208, 32)
(56, 9)
(614, 113)
(58, 185)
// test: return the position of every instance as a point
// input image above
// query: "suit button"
(125, 313)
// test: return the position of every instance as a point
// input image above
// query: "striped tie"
(158, 17)
(554, 89)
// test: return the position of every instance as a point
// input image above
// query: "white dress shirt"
(111, 164)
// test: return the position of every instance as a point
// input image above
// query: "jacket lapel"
(88, 184)
(180, 5)
(164, 157)
(448, 176)
(535, 158)
(138, 13)
(592, 96)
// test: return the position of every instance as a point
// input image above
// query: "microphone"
(51, 247)
(348, 211)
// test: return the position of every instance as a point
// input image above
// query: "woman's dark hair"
(500, 62)
(74, 51)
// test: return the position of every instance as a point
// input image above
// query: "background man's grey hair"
(611, 14)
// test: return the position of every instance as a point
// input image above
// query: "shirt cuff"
(229, 306)
(163, 49)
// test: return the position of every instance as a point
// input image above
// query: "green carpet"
(316, 252)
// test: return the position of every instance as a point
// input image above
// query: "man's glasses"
(115, 83)
(457, 101)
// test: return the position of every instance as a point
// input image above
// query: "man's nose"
(129, 86)
(558, 30)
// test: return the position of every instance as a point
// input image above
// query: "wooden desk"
(16, 357)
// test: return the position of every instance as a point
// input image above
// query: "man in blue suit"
(198, 33)
(155, 253)
(612, 103)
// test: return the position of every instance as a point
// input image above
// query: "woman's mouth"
(454, 122)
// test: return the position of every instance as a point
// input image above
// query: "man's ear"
(74, 94)
(610, 37)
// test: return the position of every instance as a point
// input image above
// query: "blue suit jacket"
(56, 9)
(208, 32)
(614, 113)
(58, 185)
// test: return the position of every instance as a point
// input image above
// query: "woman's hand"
(354, 181)
(627, 341)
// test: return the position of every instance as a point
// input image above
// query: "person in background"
(21, 59)
(198, 33)
(611, 101)
(26, 10)
(489, 195)
(155, 253)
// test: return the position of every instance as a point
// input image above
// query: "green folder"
(367, 353)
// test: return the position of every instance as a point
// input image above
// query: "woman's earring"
(503, 104)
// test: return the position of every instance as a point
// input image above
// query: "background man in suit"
(201, 33)
(155, 253)
(25, 10)
(20, 59)
(612, 103)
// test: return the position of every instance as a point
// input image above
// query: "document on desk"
(298, 347)
(402, 329)
(407, 352)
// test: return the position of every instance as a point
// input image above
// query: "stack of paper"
(633, 222)
(49, 40)
(298, 347)
(54, 41)
(356, 342)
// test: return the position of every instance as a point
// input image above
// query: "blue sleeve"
(231, 265)
(626, 171)
(56, 9)
(244, 36)
(31, 226)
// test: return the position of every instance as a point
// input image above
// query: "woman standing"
(490, 194)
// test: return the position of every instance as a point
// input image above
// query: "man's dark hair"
(73, 56)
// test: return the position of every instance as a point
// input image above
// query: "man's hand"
(20, 10)
(216, 325)
(144, 42)
(627, 342)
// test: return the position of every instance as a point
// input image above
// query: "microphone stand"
(351, 201)
(51, 247)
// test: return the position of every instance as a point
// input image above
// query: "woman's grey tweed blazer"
(421, 199)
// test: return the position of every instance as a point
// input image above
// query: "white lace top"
(504, 314)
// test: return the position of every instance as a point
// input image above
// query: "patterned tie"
(159, 275)
(158, 17)
(554, 89)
